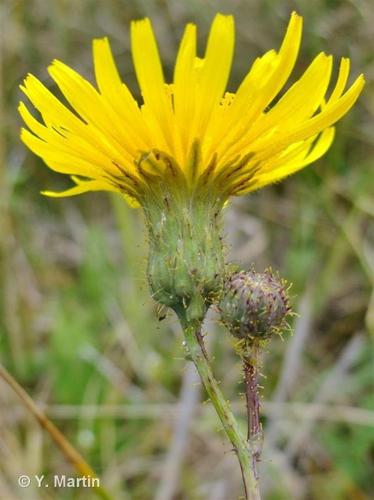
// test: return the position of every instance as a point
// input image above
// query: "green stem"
(196, 350)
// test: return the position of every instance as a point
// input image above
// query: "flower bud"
(254, 305)
(186, 261)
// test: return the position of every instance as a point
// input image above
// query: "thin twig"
(74, 457)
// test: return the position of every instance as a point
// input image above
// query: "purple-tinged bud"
(254, 305)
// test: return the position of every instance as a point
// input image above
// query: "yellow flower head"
(188, 134)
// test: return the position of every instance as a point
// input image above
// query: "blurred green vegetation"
(80, 332)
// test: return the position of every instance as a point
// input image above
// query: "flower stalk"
(186, 272)
(197, 353)
(254, 432)
(254, 307)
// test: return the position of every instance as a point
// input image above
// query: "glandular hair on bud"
(254, 305)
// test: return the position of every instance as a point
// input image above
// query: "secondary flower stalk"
(254, 427)
(254, 307)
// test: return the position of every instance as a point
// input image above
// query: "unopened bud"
(254, 305)
(186, 260)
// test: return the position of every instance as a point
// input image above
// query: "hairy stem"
(197, 352)
(254, 433)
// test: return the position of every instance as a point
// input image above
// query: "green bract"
(186, 262)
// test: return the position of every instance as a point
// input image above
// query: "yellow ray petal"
(117, 94)
(51, 109)
(147, 62)
(151, 81)
(293, 106)
(86, 186)
(91, 107)
(214, 73)
(294, 152)
(60, 162)
(282, 65)
(287, 56)
(61, 140)
(185, 87)
(341, 81)
(82, 187)
(260, 86)
(241, 143)
(58, 117)
(330, 115)
(321, 146)
(106, 73)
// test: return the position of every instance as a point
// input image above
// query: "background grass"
(77, 326)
